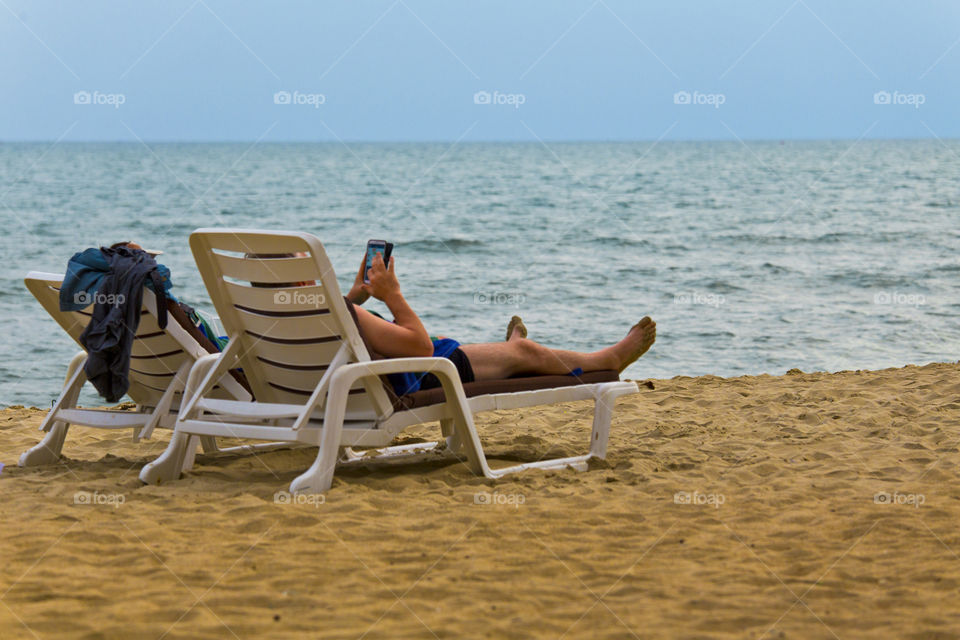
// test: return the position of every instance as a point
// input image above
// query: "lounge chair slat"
(297, 378)
(154, 345)
(254, 410)
(305, 298)
(319, 353)
(168, 364)
(104, 419)
(268, 271)
(296, 328)
(266, 243)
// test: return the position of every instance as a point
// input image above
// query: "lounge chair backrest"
(277, 293)
(156, 355)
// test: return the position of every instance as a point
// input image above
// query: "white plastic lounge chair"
(159, 364)
(312, 374)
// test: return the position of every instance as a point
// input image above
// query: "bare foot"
(516, 329)
(638, 341)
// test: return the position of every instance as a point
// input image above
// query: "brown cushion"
(508, 385)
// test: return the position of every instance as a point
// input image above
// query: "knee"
(527, 349)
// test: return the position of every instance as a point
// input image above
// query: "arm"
(405, 336)
(357, 295)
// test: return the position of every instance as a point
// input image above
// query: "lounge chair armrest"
(346, 375)
(399, 365)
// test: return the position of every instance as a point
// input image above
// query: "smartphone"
(373, 248)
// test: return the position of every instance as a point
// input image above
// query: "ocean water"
(753, 258)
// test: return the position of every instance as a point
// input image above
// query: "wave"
(537, 201)
(722, 287)
(709, 203)
(835, 237)
(866, 280)
(620, 241)
(442, 244)
(775, 268)
(948, 268)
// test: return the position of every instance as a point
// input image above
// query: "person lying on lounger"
(516, 356)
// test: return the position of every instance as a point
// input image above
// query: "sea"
(753, 257)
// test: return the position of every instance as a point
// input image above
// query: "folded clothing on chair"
(109, 336)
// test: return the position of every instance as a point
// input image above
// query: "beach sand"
(799, 506)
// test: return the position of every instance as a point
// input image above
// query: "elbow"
(425, 348)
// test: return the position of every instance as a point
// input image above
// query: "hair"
(275, 256)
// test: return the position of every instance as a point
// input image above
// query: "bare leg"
(519, 356)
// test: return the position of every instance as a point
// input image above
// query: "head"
(136, 247)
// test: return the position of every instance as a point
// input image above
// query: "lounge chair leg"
(192, 447)
(169, 465)
(464, 433)
(454, 444)
(602, 415)
(209, 444)
(180, 452)
(47, 451)
(319, 477)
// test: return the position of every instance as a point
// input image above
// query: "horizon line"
(467, 142)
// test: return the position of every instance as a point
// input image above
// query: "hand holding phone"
(373, 248)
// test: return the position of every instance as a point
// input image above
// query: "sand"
(801, 506)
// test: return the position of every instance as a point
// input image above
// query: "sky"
(491, 70)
